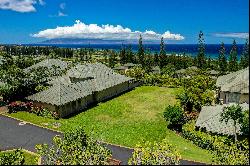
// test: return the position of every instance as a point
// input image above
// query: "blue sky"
(178, 21)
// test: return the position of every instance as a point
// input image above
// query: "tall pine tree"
(129, 53)
(156, 59)
(244, 59)
(222, 60)
(140, 53)
(201, 58)
(233, 64)
(162, 55)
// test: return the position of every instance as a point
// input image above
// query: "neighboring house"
(125, 67)
(120, 68)
(129, 65)
(209, 119)
(234, 87)
(186, 73)
(81, 86)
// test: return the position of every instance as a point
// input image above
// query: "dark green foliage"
(197, 92)
(130, 55)
(76, 148)
(112, 59)
(222, 60)
(201, 58)
(123, 57)
(140, 53)
(224, 150)
(244, 60)
(233, 63)
(174, 115)
(245, 123)
(156, 59)
(162, 55)
(12, 158)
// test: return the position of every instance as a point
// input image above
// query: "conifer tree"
(222, 59)
(156, 59)
(244, 60)
(123, 58)
(201, 58)
(162, 55)
(112, 59)
(129, 54)
(140, 53)
(233, 64)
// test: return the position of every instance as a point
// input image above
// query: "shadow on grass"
(92, 105)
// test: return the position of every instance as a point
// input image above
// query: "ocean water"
(211, 50)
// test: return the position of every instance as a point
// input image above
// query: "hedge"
(224, 150)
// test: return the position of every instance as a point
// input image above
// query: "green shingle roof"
(235, 82)
(98, 77)
(209, 118)
(60, 94)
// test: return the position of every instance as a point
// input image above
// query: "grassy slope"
(128, 119)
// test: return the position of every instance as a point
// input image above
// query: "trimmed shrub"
(12, 158)
(224, 150)
(149, 153)
(175, 116)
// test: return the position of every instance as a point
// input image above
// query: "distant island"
(92, 41)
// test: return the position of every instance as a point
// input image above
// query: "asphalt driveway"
(16, 134)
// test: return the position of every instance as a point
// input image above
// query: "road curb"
(60, 132)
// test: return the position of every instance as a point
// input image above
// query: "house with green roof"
(209, 120)
(81, 86)
(234, 87)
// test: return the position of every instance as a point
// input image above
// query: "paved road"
(15, 134)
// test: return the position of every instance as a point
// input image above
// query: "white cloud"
(20, 5)
(94, 31)
(61, 14)
(172, 36)
(42, 2)
(232, 35)
(62, 6)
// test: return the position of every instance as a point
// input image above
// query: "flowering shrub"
(44, 112)
(19, 106)
(28, 107)
(149, 153)
(12, 158)
(76, 148)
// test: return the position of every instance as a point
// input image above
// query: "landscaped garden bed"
(127, 120)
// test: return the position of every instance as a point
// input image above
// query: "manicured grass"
(29, 159)
(127, 120)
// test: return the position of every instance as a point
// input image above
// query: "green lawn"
(127, 120)
(29, 159)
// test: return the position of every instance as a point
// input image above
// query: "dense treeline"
(224, 63)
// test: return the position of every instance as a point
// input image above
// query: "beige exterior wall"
(233, 97)
(75, 106)
(244, 98)
(45, 105)
(80, 104)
